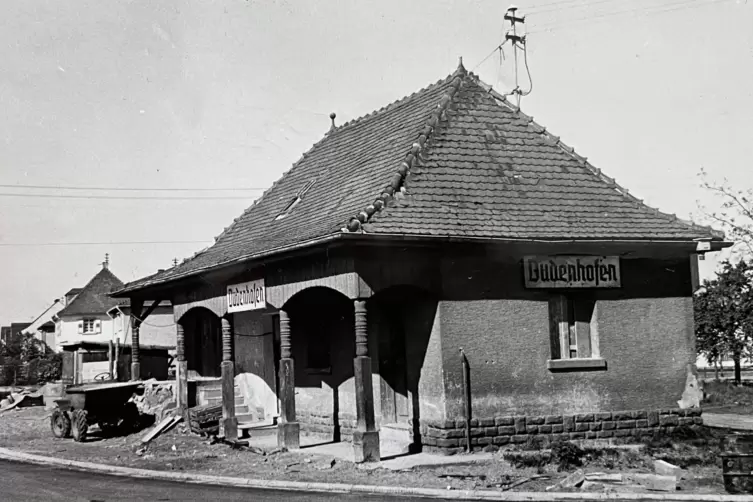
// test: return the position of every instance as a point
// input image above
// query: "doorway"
(203, 342)
(393, 369)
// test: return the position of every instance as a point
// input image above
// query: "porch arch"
(202, 330)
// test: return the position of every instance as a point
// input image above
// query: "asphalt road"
(32, 482)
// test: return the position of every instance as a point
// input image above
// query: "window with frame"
(574, 332)
(89, 326)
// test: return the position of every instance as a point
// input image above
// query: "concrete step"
(397, 433)
(210, 392)
(239, 400)
(242, 409)
(246, 418)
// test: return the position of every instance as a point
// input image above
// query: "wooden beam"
(148, 310)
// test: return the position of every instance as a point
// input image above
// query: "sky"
(204, 104)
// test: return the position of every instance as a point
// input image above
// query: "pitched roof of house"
(94, 297)
(453, 159)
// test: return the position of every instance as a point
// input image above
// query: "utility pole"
(516, 39)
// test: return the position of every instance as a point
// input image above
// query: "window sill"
(576, 364)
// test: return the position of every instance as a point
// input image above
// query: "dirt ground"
(28, 430)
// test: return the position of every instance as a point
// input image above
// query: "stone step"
(246, 418)
(239, 400)
(216, 391)
(398, 433)
(242, 409)
(210, 392)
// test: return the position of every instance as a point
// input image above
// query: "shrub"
(567, 455)
(46, 369)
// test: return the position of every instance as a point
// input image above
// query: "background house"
(87, 326)
(43, 327)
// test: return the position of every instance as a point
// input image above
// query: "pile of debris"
(21, 399)
(665, 478)
(205, 420)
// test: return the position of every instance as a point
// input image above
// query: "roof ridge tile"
(395, 185)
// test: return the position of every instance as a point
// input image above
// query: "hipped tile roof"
(94, 298)
(454, 159)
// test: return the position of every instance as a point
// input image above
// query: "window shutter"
(80, 327)
(98, 326)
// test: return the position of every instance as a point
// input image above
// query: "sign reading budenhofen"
(246, 296)
(571, 271)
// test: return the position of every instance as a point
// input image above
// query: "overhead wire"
(683, 5)
(111, 243)
(560, 6)
(118, 197)
(497, 48)
(130, 189)
(528, 70)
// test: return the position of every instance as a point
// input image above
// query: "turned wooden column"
(229, 422)
(136, 307)
(181, 380)
(366, 436)
(288, 429)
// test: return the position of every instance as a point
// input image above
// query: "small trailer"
(104, 404)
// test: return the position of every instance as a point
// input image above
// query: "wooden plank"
(157, 430)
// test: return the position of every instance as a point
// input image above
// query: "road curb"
(301, 486)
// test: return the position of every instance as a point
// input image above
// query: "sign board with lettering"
(572, 271)
(246, 296)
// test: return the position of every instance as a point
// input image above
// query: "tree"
(736, 213)
(21, 350)
(723, 311)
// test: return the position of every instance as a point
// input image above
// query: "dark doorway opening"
(393, 368)
(203, 332)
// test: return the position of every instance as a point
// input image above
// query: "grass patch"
(720, 395)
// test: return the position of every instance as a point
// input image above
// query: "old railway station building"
(446, 230)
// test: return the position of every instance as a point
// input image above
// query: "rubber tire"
(60, 424)
(80, 425)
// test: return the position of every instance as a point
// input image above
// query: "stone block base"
(448, 436)
(289, 435)
(366, 446)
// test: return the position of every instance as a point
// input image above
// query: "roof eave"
(127, 292)
(716, 245)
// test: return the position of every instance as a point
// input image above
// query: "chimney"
(106, 263)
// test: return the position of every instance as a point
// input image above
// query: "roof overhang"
(625, 247)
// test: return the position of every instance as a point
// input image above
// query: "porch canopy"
(454, 164)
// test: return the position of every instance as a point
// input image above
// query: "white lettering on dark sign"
(572, 272)
(246, 296)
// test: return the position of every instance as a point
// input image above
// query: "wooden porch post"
(181, 377)
(229, 422)
(288, 429)
(136, 306)
(366, 436)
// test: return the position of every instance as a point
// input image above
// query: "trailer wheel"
(80, 425)
(60, 424)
